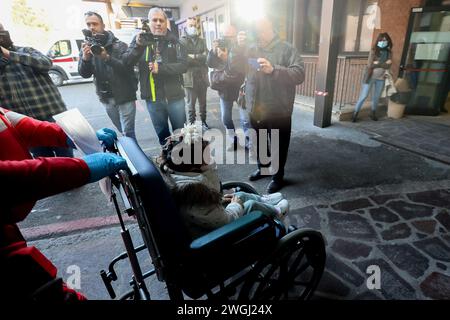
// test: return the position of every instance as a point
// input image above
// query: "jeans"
(122, 116)
(254, 203)
(226, 108)
(161, 112)
(192, 95)
(376, 95)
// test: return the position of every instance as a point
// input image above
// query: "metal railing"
(349, 74)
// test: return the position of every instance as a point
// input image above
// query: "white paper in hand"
(84, 137)
(79, 130)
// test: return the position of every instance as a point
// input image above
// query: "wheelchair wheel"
(291, 272)
(240, 187)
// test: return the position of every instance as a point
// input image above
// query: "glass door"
(426, 60)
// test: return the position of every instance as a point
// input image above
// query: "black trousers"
(192, 95)
(284, 125)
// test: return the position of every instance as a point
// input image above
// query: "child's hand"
(237, 200)
(227, 199)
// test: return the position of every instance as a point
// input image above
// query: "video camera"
(96, 41)
(224, 43)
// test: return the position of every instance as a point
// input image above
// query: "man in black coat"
(275, 68)
(115, 82)
(162, 60)
(196, 78)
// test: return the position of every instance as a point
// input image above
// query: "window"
(61, 49)
(359, 23)
(311, 31)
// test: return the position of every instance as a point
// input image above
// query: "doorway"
(426, 60)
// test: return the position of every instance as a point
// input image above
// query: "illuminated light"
(250, 10)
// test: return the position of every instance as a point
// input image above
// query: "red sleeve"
(31, 180)
(35, 133)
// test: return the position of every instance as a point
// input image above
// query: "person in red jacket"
(25, 273)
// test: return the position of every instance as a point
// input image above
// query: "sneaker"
(283, 207)
(272, 199)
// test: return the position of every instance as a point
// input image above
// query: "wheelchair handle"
(107, 279)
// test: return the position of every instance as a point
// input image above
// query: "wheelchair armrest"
(232, 232)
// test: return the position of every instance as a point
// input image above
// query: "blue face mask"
(382, 44)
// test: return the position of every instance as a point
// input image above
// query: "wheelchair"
(253, 258)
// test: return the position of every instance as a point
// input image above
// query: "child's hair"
(191, 194)
(176, 140)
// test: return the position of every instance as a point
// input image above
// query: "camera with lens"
(224, 43)
(96, 41)
(149, 39)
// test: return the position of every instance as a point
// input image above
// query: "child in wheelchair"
(196, 188)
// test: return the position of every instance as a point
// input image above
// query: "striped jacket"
(25, 86)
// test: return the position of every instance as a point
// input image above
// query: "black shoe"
(373, 116)
(255, 176)
(275, 186)
(355, 117)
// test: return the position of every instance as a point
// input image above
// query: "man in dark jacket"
(270, 94)
(196, 78)
(115, 81)
(162, 62)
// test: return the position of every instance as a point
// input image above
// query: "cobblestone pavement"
(406, 236)
(426, 138)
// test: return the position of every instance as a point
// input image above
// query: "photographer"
(26, 88)
(275, 68)
(162, 60)
(116, 84)
(196, 79)
(228, 82)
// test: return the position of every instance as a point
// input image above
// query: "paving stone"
(382, 199)
(435, 248)
(444, 218)
(383, 215)
(322, 206)
(447, 239)
(421, 235)
(436, 286)
(331, 285)
(351, 250)
(427, 226)
(392, 285)
(349, 206)
(343, 271)
(351, 226)
(399, 231)
(441, 266)
(405, 257)
(410, 211)
(439, 198)
(307, 218)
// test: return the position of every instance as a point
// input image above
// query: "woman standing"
(379, 62)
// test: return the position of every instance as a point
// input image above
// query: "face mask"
(382, 44)
(191, 31)
(5, 39)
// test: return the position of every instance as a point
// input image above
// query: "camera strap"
(151, 79)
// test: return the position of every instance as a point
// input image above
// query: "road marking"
(60, 228)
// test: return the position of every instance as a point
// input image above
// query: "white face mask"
(191, 31)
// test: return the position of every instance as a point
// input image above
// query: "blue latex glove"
(107, 137)
(102, 165)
